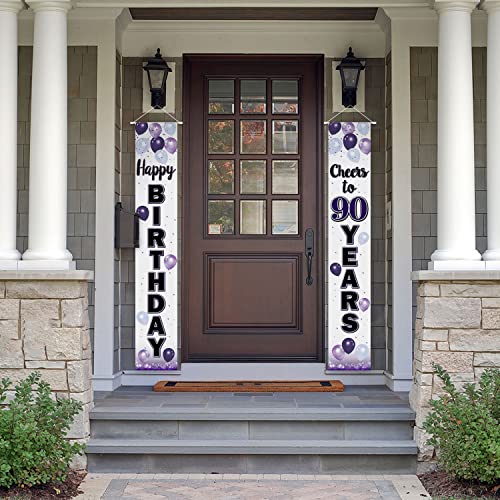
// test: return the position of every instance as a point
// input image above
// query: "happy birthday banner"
(349, 255)
(156, 258)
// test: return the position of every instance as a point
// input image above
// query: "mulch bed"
(440, 484)
(68, 489)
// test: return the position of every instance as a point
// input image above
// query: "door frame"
(320, 243)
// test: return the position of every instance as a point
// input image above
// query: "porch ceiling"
(255, 14)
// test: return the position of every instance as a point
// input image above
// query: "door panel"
(252, 186)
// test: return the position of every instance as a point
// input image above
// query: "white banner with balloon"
(156, 278)
(349, 246)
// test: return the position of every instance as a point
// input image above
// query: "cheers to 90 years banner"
(156, 258)
(349, 256)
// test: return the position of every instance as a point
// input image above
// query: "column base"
(46, 265)
(9, 255)
(456, 265)
(491, 255)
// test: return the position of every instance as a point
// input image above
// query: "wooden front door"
(252, 208)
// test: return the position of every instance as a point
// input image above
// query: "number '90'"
(357, 209)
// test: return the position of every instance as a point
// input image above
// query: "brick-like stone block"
(487, 359)
(9, 329)
(452, 362)
(435, 335)
(2, 289)
(64, 344)
(14, 348)
(74, 313)
(491, 319)
(428, 290)
(46, 289)
(41, 311)
(79, 375)
(56, 378)
(443, 346)
(80, 428)
(491, 303)
(46, 365)
(9, 309)
(475, 340)
(469, 290)
(452, 312)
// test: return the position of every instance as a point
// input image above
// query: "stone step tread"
(239, 447)
(142, 414)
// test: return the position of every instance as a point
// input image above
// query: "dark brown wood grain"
(244, 297)
(255, 14)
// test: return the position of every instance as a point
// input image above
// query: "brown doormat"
(251, 386)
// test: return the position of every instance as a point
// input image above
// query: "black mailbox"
(126, 228)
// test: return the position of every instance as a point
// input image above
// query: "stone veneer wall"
(423, 67)
(44, 325)
(82, 102)
(458, 327)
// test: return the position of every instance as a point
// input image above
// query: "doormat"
(251, 386)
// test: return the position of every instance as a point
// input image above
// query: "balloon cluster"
(348, 356)
(349, 140)
(143, 361)
(158, 144)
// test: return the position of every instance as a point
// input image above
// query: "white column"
(456, 231)
(8, 132)
(492, 255)
(48, 140)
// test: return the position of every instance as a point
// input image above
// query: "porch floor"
(355, 399)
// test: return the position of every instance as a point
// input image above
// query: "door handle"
(309, 255)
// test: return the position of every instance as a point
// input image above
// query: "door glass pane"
(285, 96)
(253, 176)
(220, 136)
(252, 217)
(253, 136)
(285, 216)
(253, 96)
(285, 177)
(221, 217)
(221, 177)
(221, 96)
(285, 136)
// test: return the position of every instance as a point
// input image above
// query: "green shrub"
(33, 448)
(465, 428)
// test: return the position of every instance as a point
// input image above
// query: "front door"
(252, 237)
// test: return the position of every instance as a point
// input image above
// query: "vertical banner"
(156, 266)
(349, 245)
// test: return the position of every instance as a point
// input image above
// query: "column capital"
(455, 5)
(490, 5)
(58, 5)
(11, 5)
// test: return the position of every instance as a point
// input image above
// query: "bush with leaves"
(33, 427)
(465, 427)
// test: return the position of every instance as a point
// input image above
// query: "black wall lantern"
(157, 70)
(350, 68)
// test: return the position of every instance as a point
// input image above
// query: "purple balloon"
(155, 129)
(348, 345)
(168, 354)
(157, 143)
(364, 304)
(334, 127)
(141, 127)
(365, 145)
(142, 212)
(348, 127)
(170, 261)
(171, 145)
(338, 352)
(350, 141)
(143, 355)
(336, 269)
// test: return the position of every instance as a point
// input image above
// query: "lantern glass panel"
(350, 77)
(156, 78)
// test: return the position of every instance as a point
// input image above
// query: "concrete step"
(261, 430)
(253, 456)
(252, 447)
